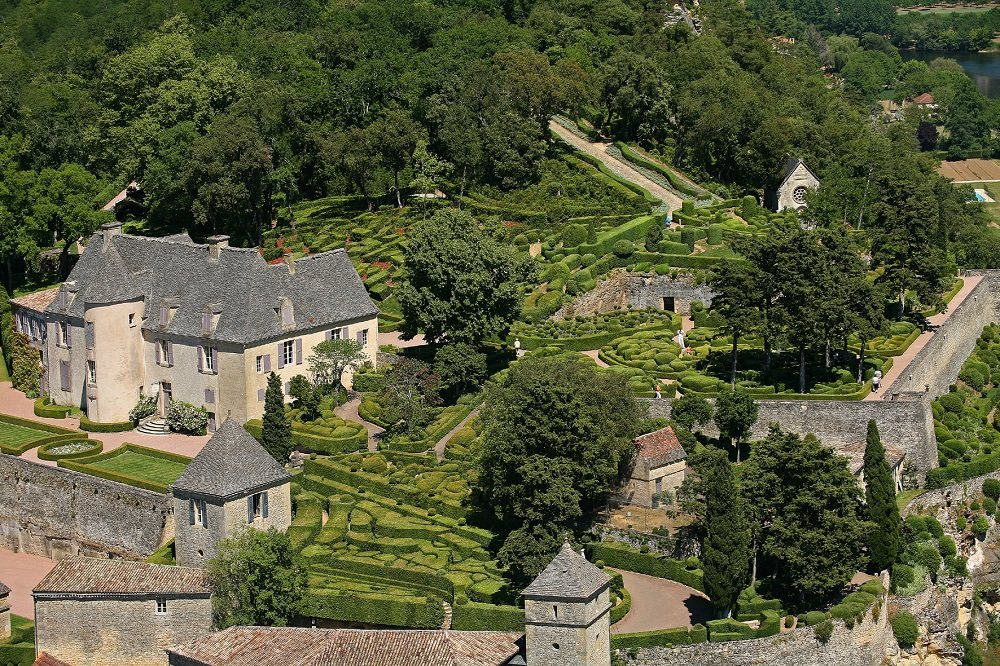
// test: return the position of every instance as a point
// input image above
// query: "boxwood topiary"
(904, 628)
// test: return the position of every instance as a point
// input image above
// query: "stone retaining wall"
(866, 644)
(56, 512)
(639, 290)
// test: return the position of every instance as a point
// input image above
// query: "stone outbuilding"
(855, 454)
(99, 612)
(232, 484)
(794, 183)
(567, 616)
(4, 612)
(659, 467)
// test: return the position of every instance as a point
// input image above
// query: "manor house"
(202, 323)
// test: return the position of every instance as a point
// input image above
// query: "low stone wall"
(866, 644)
(639, 290)
(56, 512)
(955, 494)
(906, 423)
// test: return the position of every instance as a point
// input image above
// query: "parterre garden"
(395, 543)
(18, 435)
(132, 465)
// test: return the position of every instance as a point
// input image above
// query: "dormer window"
(286, 312)
(167, 311)
(210, 319)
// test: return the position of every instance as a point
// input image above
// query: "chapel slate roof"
(570, 575)
(279, 646)
(660, 447)
(324, 289)
(231, 464)
(791, 164)
(91, 576)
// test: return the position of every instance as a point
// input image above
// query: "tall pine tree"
(880, 493)
(726, 546)
(277, 431)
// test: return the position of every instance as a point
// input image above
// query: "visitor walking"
(658, 394)
(876, 380)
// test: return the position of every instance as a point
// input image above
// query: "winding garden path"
(349, 412)
(901, 363)
(440, 446)
(618, 167)
(658, 603)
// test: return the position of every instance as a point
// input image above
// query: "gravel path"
(349, 412)
(658, 603)
(620, 168)
(21, 572)
(440, 446)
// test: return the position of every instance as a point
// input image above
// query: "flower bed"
(66, 450)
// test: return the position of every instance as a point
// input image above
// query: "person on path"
(517, 347)
(876, 380)
(680, 340)
(658, 394)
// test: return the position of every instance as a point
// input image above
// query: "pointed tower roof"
(569, 575)
(112, 283)
(233, 464)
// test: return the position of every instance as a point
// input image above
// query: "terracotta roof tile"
(89, 576)
(279, 646)
(924, 98)
(46, 659)
(37, 301)
(660, 447)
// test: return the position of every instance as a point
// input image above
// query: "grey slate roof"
(325, 290)
(231, 464)
(791, 164)
(569, 575)
(93, 576)
(4, 590)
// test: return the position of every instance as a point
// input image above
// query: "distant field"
(970, 171)
(946, 9)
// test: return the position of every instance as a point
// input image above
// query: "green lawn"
(142, 466)
(903, 498)
(134, 465)
(18, 435)
(15, 435)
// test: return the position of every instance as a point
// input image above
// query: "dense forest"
(229, 111)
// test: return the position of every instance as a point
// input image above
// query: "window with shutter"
(163, 315)
(281, 356)
(267, 363)
(263, 511)
(209, 397)
(170, 353)
(191, 511)
(206, 322)
(64, 383)
(69, 336)
(250, 509)
(260, 395)
(215, 360)
(159, 346)
(204, 513)
(298, 351)
(211, 422)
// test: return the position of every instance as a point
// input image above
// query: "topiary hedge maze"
(328, 433)
(395, 544)
(594, 331)
(968, 441)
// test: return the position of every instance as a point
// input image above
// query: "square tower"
(232, 484)
(567, 613)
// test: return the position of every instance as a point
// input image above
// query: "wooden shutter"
(298, 351)
(88, 333)
(204, 513)
(263, 508)
(281, 356)
(287, 386)
(250, 509)
(163, 316)
(260, 395)
(170, 353)
(209, 397)
(329, 335)
(64, 375)
(191, 511)
(267, 363)
(201, 361)
(156, 343)
(206, 321)
(69, 335)
(358, 337)
(215, 361)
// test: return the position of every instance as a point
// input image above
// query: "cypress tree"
(880, 494)
(276, 433)
(726, 546)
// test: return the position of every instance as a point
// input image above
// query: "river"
(983, 68)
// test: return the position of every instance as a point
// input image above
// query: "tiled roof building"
(202, 323)
(101, 612)
(659, 467)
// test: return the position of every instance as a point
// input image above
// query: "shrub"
(933, 527)
(728, 629)
(873, 587)
(623, 248)
(812, 618)
(960, 523)
(146, 406)
(187, 418)
(989, 505)
(980, 526)
(487, 617)
(574, 234)
(904, 628)
(902, 576)
(824, 630)
(660, 638)
(45, 408)
(991, 488)
(621, 556)
(926, 555)
(952, 402)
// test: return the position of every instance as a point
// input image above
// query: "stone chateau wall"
(639, 290)
(865, 645)
(56, 512)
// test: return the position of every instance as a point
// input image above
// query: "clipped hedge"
(423, 580)
(82, 465)
(44, 408)
(728, 629)
(473, 616)
(939, 477)
(17, 450)
(677, 183)
(37, 425)
(113, 426)
(311, 442)
(622, 609)
(379, 609)
(308, 519)
(45, 452)
(660, 638)
(17, 654)
(621, 556)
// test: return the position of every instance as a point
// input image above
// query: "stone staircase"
(155, 425)
(447, 615)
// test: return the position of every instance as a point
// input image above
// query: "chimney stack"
(216, 243)
(109, 229)
(290, 262)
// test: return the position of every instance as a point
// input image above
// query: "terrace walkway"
(658, 603)
(901, 363)
(620, 168)
(21, 572)
(15, 404)
(349, 412)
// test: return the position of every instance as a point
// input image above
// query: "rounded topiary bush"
(905, 629)
(623, 248)
(991, 488)
(813, 618)
(824, 630)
